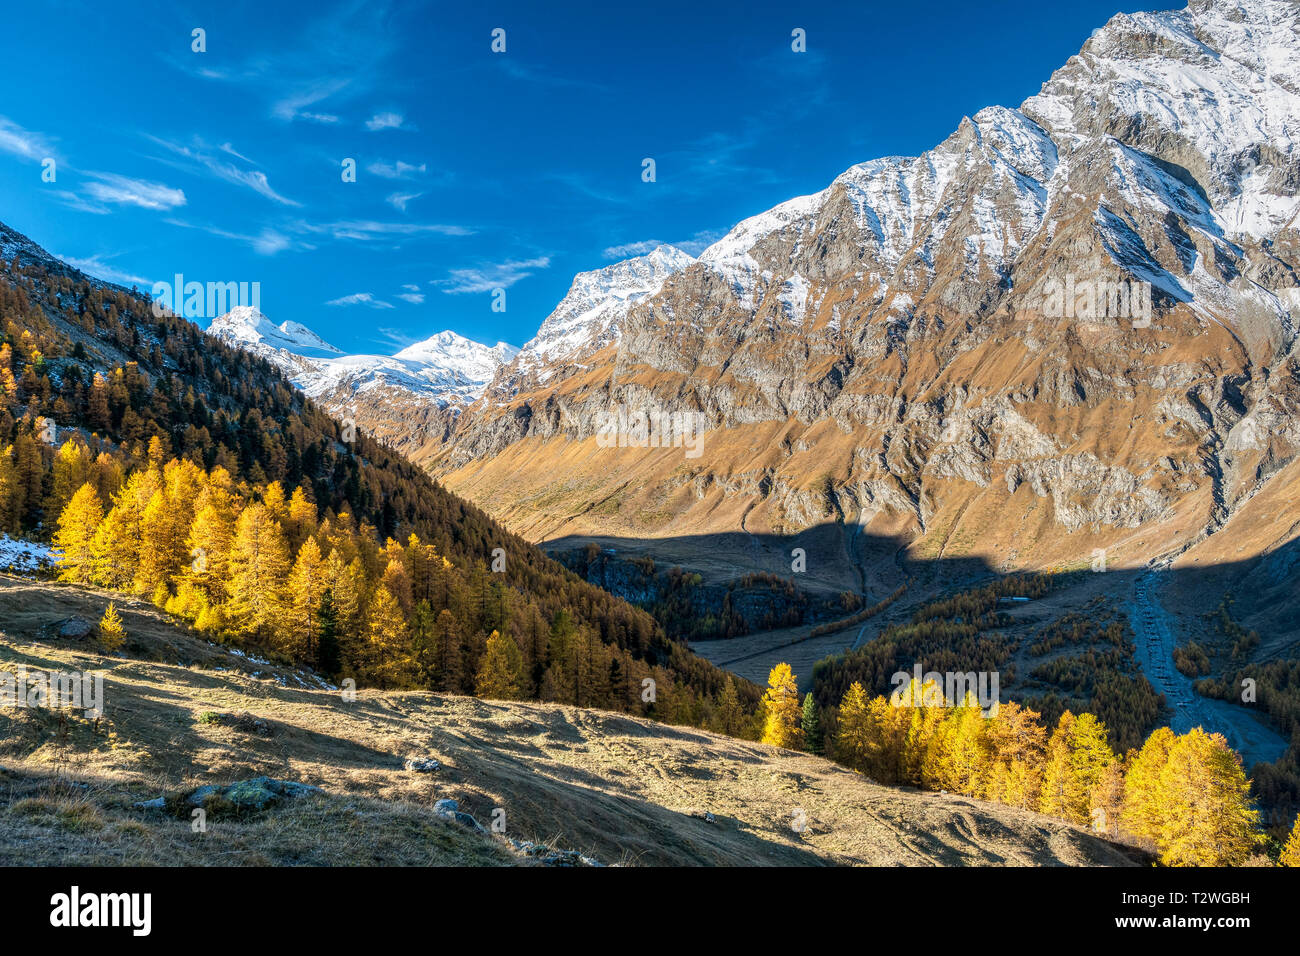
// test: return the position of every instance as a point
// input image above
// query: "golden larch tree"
(112, 633)
(302, 518)
(1143, 811)
(388, 646)
(1017, 742)
(1291, 851)
(501, 672)
(259, 571)
(307, 584)
(9, 511)
(1078, 754)
(210, 540)
(1207, 816)
(77, 526)
(781, 709)
(72, 467)
(854, 734)
(117, 543)
(959, 752)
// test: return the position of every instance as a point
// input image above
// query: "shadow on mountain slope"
(1195, 609)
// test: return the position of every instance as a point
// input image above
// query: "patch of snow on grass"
(24, 557)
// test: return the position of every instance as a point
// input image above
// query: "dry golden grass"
(621, 789)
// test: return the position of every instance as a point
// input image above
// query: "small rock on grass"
(422, 765)
(76, 628)
(449, 809)
(242, 796)
(243, 721)
(549, 856)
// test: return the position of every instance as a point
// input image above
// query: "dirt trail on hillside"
(1154, 634)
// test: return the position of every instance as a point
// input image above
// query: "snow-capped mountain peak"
(248, 328)
(441, 373)
(449, 350)
(1189, 115)
(590, 316)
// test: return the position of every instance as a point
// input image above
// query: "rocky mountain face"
(589, 317)
(1068, 328)
(409, 399)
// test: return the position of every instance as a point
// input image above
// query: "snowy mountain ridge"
(250, 329)
(591, 314)
(447, 368)
(1212, 84)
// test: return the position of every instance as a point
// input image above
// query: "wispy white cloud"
(228, 148)
(367, 230)
(397, 339)
(700, 241)
(399, 200)
(387, 120)
(696, 168)
(293, 105)
(719, 156)
(199, 156)
(395, 170)
(361, 298)
(23, 142)
(485, 278)
(339, 54)
(630, 249)
(96, 266)
(80, 203)
(581, 184)
(415, 298)
(266, 243)
(792, 81)
(535, 77)
(125, 191)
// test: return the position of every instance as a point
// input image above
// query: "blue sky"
(475, 170)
